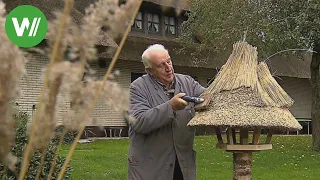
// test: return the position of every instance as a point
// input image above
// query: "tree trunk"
(315, 109)
(242, 165)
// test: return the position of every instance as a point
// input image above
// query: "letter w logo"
(25, 24)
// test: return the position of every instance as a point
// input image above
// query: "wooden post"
(256, 135)
(244, 135)
(234, 137)
(242, 165)
(269, 136)
(219, 136)
(229, 136)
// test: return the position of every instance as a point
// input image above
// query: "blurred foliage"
(21, 120)
(69, 137)
(270, 25)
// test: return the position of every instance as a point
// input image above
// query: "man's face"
(161, 66)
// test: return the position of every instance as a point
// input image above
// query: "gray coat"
(159, 135)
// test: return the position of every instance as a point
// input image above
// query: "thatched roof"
(273, 94)
(208, 58)
(48, 7)
(245, 95)
(292, 66)
(181, 56)
(177, 4)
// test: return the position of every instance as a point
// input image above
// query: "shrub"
(69, 137)
(21, 121)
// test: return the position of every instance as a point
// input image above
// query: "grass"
(290, 158)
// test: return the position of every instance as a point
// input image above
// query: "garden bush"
(21, 122)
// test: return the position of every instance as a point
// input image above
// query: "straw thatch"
(177, 4)
(245, 95)
(272, 92)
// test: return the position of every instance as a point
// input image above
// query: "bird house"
(243, 99)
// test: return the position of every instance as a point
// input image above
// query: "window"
(170, 25)
(153, 23)
(138, 22)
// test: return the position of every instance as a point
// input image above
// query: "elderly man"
(161, 143)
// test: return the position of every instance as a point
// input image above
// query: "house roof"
(48, 7)
(208, 58)
(245, 95)
(280, 66)
(177, 4)
(181, 56)
(292, 66)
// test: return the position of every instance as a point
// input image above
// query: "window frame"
(166, 34)
(162, 32)
(146, 21)
(142, 23)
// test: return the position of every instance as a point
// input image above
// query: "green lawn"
(290, 158)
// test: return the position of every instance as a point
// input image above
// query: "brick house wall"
(299, 89)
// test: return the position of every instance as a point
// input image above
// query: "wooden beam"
(268, 140)
(229, 136)
(256, 135)
(244, 134)
(219, 136)
(238, 147)
(234, 136)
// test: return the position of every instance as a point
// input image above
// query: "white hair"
(146, 54)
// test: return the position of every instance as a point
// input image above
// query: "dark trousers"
(177, 175)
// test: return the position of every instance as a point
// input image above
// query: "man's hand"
(177, 103)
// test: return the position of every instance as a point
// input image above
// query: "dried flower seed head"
(73, 120)
(130, 119)
(10, 161)
(12, 67)
(7, 135)
(182, 4)
(166, 5)
(53, 30)
(59, 69)
(11, 70)
(90, 32)
(2, 13)
(44, 122)
(112, 94)
(116, 72)
(111, 16)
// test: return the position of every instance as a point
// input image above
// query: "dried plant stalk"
(273, 93)
(244, 95)
(110, 68)
(11, 70)
(4, 173)
(239, 71)
(242, 70)
(56, 53)
(106, 14)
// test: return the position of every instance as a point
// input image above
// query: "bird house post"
(242, 146)
(243, 99)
